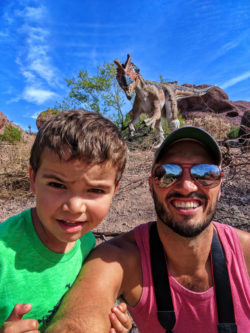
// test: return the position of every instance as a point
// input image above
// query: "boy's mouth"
(71, 227)
(70, 223)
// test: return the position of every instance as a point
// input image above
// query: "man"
(189, 290)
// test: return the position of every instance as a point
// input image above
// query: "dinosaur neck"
(140, 84)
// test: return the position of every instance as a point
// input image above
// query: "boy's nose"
(75, 205)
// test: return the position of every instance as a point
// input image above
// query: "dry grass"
(212, 124)
(14, 177)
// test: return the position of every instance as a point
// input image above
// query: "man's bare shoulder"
(122, 248)
(120, 258)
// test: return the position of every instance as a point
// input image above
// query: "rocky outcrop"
(244, 132)
(3, 122)
(214, 101)
(45, 116)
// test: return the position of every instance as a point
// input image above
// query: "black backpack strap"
(165, 313)
(222, 289)
(165, 309)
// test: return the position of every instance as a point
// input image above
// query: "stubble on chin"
(182, 229)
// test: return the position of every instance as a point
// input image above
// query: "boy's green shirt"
(31, 273)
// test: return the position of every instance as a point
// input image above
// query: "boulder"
(215, 100)
(45, 116)
(3, 122)
(244, 132)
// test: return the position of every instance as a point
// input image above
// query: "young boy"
(76, 164)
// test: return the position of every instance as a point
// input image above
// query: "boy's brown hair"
(83, 135)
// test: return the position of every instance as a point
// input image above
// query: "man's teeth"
(188, 204)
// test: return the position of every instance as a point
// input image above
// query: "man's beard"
(182, 229)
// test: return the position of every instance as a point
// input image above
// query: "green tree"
(99, 93)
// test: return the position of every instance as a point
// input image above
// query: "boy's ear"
(117, 186)
(32, 180)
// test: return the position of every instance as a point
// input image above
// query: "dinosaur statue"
(157, 100)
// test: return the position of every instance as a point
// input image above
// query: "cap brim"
(194, 133)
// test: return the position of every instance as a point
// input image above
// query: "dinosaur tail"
(185, 92)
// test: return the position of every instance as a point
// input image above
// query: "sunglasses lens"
(208, 175)
(167, 174)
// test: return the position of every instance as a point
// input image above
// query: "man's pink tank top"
(196, 312)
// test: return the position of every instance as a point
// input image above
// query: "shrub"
(216, 126)
(11, 134)
(233, 133)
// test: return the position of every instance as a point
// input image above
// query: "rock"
(3, 122)
(45, 116)
(215, 100)
(244, 132)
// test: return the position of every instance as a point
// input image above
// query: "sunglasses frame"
(188, 166)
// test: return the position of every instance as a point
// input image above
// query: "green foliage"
(181, 120)
(163, 80)
(11, 134)
(99, 93)
(233, 133)
(50, 111)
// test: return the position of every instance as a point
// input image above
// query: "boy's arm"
(15, 323)
(87, 306)
(120, 320)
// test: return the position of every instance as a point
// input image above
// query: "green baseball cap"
(192, 133)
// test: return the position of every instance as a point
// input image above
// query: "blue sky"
(42, 42)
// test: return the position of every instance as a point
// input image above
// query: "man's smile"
(190, 204)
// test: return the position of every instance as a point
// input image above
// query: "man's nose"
(75, 205)
(186, 183)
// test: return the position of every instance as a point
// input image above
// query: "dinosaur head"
(127, 76)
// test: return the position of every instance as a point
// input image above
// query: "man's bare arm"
(244, 238)
(87, 306)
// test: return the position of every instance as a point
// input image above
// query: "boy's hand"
(120, 320)
(15, 323)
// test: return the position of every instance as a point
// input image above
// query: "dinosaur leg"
(131, 129)
(172, 112)
(132, 125)
(157, 103)
(171, 109)
(159, 133)
(174, 124)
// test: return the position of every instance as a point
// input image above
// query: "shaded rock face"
(214, 101)
(3, 122)
(244, 132)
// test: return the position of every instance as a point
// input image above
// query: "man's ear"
(32, 180)
(219, 195)
(150, 183)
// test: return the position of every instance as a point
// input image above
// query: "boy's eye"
(56, 185)
(96, 191)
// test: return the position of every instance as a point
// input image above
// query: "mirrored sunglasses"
(208, 175)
